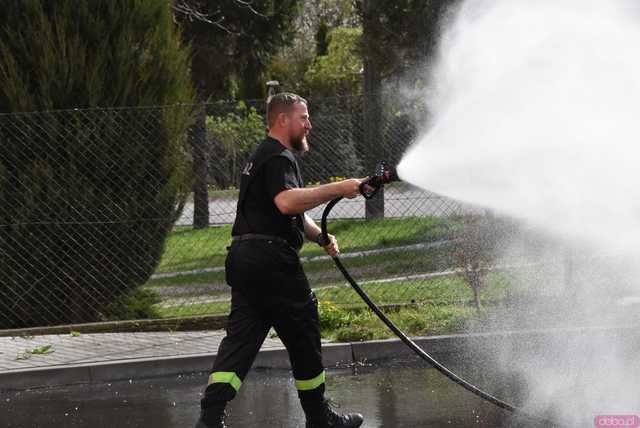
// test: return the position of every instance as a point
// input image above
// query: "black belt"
(258, 237)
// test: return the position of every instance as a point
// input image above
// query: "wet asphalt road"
(388, 397)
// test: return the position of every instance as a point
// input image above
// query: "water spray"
(385, 174)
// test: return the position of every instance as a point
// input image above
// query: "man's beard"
(299, 144)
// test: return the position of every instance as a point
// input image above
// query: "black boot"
(211, 417)
(320, 415)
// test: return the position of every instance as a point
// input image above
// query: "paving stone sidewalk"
(18, 353)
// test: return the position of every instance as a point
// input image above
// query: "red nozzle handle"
(384, 174)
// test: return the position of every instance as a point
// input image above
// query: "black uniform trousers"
(269, 289)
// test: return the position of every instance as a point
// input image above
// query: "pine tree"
(87, 197)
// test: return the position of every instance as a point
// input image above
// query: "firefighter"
(268, 285)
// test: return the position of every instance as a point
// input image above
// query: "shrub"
(87, 197)
(137, 304)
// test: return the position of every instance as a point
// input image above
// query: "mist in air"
(535, 114)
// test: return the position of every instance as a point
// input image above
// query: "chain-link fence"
(97, 217)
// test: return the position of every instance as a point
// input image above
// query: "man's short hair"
(282, 103)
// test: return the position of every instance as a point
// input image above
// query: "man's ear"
(283, 119)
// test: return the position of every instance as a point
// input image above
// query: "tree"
(478, 239)
(401, 36)
(290, 64)
(473, 254)
(232, 42)
(398, 37)
(87, 197)
(234, 135)
(372, 112)
(340, 70)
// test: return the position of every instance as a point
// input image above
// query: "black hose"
(411, 344)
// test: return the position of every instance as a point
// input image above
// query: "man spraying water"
(269, 286)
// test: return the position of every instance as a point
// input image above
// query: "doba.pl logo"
(625, 421)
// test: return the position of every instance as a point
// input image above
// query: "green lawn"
(214, 308)
(438, 290)
(390, 263)
(441, 291)
(188, 249)
(339, 323)
(423, 305)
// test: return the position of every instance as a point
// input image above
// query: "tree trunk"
(373, 148)
(476, 298)
(252, 87)
(200, 171)
(473, 276)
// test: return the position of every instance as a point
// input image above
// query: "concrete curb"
(334, 355)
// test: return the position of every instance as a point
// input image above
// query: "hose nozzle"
(384, 174)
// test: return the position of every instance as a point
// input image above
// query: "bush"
(359, 324)
(234, 135)
(137, 304)
(356, 333)
(331, 316)
(87, 197)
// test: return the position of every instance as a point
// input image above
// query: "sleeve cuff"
(319, 240)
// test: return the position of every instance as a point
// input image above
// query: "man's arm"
(299, 200)
(311, 229)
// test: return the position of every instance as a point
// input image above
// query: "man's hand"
(351, 188)
(332, 247)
